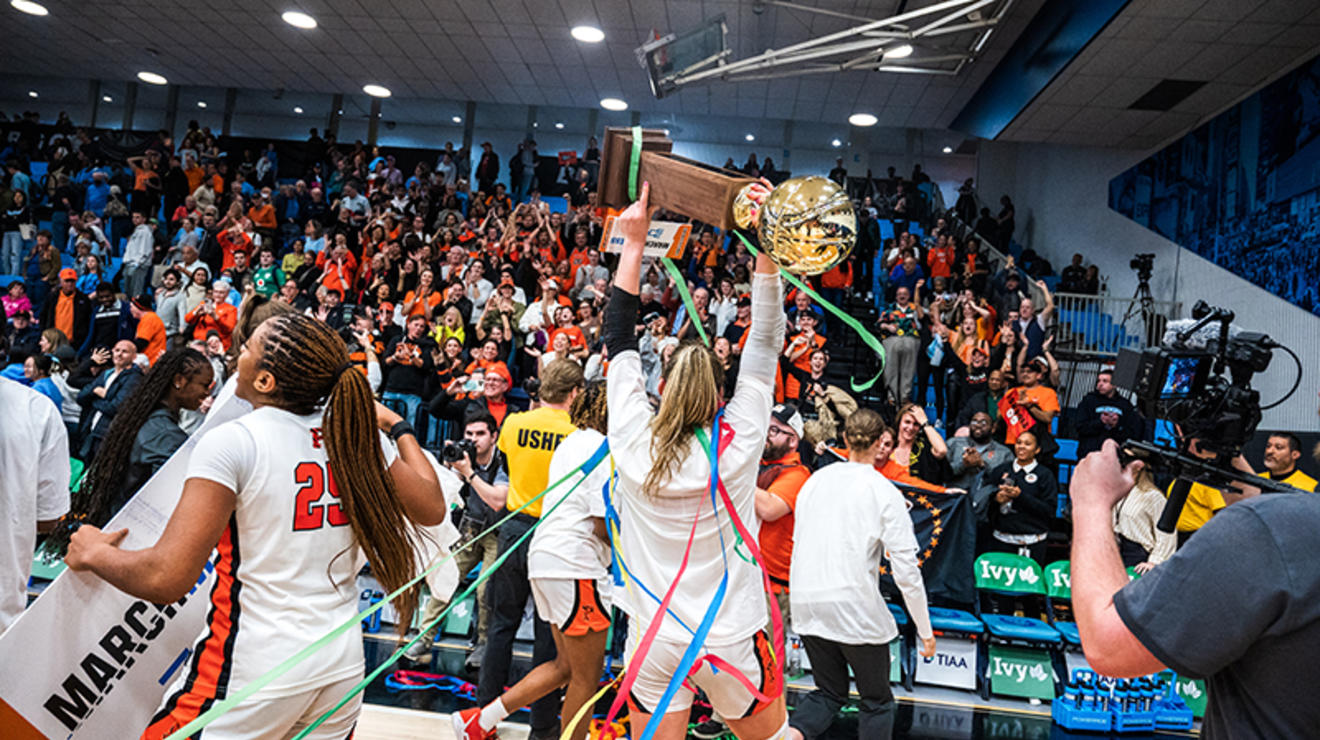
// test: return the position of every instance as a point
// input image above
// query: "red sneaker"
(467, 726)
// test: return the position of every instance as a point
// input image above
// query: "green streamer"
(481, 578)
(853, 323)
(680, 282)
(635, 163)
(233, 700)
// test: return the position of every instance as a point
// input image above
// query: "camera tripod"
(1143, 305)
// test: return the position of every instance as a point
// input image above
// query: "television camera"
(1199, 380)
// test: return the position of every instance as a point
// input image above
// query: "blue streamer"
(698, 638)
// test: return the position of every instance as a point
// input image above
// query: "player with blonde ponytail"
(664, 502)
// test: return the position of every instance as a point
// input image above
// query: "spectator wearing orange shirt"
(1032, 406)
(263, 218)
(151, 336)
(940, 258)
(834, 283)
(338, 266)
(233, 239)
(214, 314)
(778, 481)
(423, 300)
(799, 349)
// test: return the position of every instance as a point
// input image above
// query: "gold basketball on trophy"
(806, 225)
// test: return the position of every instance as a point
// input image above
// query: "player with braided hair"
(142, 436)
(292, 497)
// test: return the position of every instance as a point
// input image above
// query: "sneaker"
(466, 726)
(419, 652)
(712, 729)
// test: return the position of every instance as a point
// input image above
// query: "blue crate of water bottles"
(1171, 712)
(1102, 704)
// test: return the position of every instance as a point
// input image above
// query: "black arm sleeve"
(621, 321)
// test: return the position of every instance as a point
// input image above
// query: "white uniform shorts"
(279, 717)
(728, 696)
(576, 606)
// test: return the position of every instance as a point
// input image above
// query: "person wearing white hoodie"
(137, 257)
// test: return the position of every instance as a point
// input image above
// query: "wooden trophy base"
(694, 189)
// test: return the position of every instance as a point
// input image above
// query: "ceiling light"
(613, 104)
(376, 91)
(899, 52)
(457, 119)
(152, 78)
(750, 137)
(836, 143)
(862, 119)
(299, 20)
(559, 124)
(107, 98)
(588, 34)
(29, 7)
(201, 104)
(32, 93)
(297, 109)
(948, 150)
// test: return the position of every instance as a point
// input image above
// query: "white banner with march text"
(87, 660)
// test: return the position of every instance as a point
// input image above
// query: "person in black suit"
(102, 398)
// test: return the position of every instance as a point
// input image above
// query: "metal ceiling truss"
(864, 46)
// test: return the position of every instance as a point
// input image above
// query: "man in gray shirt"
(1238, 605)
(968, 456)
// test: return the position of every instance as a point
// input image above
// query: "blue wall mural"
(1243, 190)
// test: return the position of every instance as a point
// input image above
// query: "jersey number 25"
(309, 512)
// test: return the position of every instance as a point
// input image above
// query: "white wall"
(1061, 195)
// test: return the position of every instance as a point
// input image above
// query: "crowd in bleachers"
(454, 286)
(453, 290)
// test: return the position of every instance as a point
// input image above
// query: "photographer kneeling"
(1239, 604)
(485, 476)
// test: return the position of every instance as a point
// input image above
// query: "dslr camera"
(453, 451)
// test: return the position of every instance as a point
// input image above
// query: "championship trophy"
(805, 224)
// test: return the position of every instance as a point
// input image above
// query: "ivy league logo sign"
(1021, 672)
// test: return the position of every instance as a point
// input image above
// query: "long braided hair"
(102, 491)
(590, 409)
(308, 360)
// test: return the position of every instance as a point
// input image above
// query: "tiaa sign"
(663, 238)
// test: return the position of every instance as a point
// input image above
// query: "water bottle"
(795, 657)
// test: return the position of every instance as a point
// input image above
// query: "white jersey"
(34, 485)
(287, 563)
(847, 517)
(656, 528)
(565, 544)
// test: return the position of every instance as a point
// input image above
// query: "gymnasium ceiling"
(520, 51)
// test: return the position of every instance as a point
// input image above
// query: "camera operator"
(1239, 605)
(485, 476)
